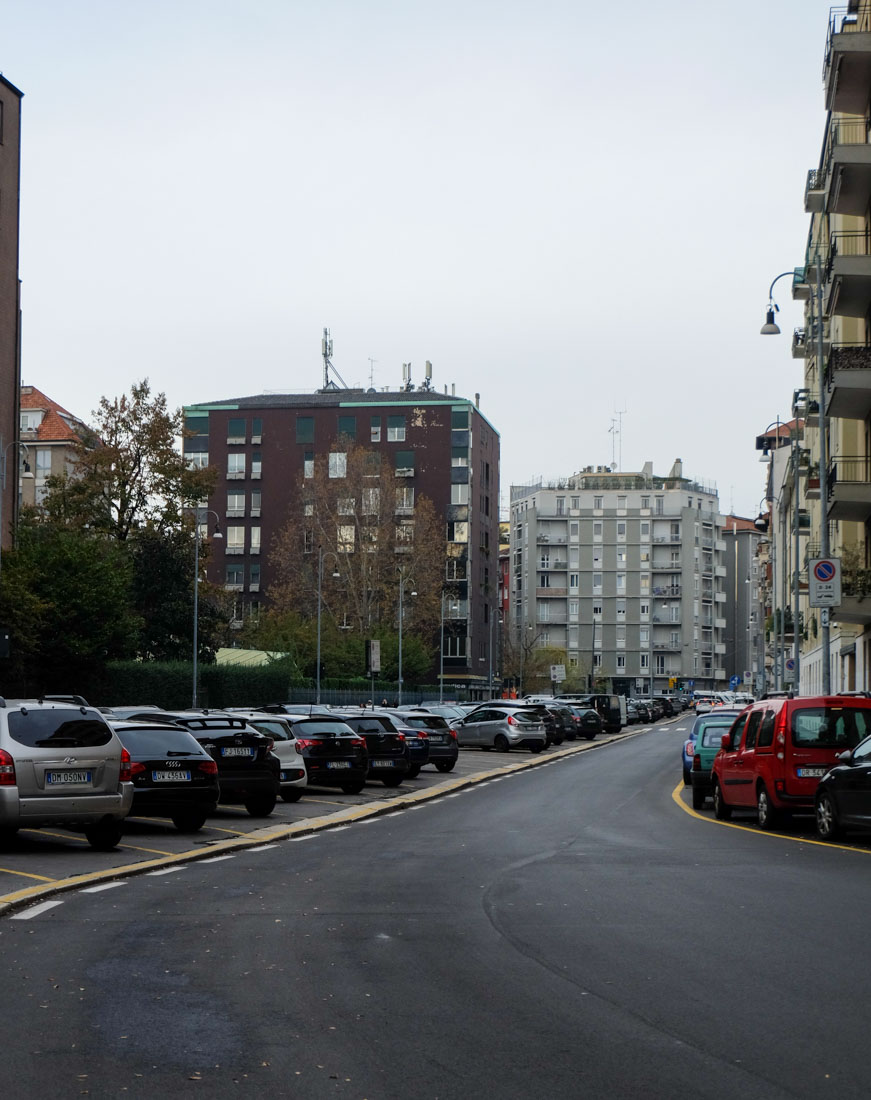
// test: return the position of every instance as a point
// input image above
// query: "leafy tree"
(129, 473)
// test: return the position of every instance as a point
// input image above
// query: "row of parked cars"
(63, 762)
(784, 756)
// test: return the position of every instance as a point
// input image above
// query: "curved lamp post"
(336, 573)
(217, 535)
(403, 581)
(770, 328)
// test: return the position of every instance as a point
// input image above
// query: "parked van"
(610, 708)
(777, 750)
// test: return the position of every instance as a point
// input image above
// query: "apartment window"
(674, 639)
(621, 609)
(597, 530)
(621, 531)
(644, 609)
(255, 540)
(235, 467)
(660, 664)
(544, 611)
(375, 429)
(459, 494)
(235, 540)
(338, 466)
(458, 531)
(372, 464)
(235, 502)
(254, 577)
(621, 502)
(574, 529)
(675, 531)
(305, 429)
(345, 506)
(597, 609)
(308, 509)
(544, 580)
(455, 569)
(459, 456)
(621, 582)
(644, 661)
(308, 541)
(308, 464)
(236, 430)
(345, 533)
(621, 557)
(621, 637)
(644, 557)
(560, 506)
(256, 429)
(573, 581)
(659, 505)
(644, 635)
(30, 419)
(405, 463)
(597, 559)
(371, 502)
(255, 502)
(621, 662)
(597, 502)
(197, 460)
(597, 582)
(597, 660)
(644, 580)
(235, 576)
(455, 645)
(573, 608)
(405, 500)
(347, 426)
(576, 502)
(395, 429)
(645, 502)
(405, 533)
(256, 464)
(645, 530)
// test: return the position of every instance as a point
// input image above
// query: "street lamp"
(403, 580)
(771, 329)
(336, 573)
(453, 607)
(493, 612)
(26, 472)
(216, 535)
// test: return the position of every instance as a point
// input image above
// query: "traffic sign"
(557, 673)
(824, 582)
(789, 670)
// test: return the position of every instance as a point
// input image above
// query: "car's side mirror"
(845, 757)
(725, 742)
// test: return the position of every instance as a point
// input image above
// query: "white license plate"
(811, 773)
(171, 777)
(237, 752)
(57, 778)
(383, 763)
(338, 764)
(437, 740)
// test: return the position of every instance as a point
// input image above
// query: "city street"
(568, 930)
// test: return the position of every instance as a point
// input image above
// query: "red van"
(777, 750)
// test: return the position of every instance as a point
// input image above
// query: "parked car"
(172, 774)
(544, 715)
(495, 726)
(248, 770)
(292, 775)
(688, 748)
(440, 736)
(62, 764)
(669, 708)
(335, 756)
(416, 739)
(611, 708)
(632, 715)
(705, 741)
(588, 722)
(565, 725)
(778, 750)
(654, 707)
(386, 747)
(642, 709)
(843, 798)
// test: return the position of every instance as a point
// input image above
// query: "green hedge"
(169, 684)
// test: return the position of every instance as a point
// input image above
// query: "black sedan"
(173, 776)
(843, 798)
(335, 756)
(388, 752)
(588, 722)
(441, 739)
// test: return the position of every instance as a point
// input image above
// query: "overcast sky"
(573, 209)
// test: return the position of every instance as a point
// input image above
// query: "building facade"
(10, 307)
(440, 447)
(625, 572)
(742, 586)
(49, 434)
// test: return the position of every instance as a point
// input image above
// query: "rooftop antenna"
(372, 363)
(327, 352)
(616, 431)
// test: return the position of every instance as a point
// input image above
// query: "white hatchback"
(293, 776)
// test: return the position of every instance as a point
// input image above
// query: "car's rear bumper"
(80, 808)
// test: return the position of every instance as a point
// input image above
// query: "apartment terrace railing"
(849, 470)
(845, 242)
(673, 590)
(844, 20)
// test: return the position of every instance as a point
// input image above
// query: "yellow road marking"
(675, 794)
(60, 836)
(154, 851)
(24, 874)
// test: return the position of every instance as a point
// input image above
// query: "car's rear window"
(321, 727)
(366, 725)
(278, 731)
(711, 736)
(424, 721)
(61, 729)
(826, 727)
(161, 742)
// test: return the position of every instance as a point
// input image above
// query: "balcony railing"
(846, 470)
(845, 63)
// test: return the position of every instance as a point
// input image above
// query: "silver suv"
(62, 764)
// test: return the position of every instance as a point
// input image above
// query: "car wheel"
(767, 817)
(590, 736)
(571, 736)
(104, 836)
(536, 748)
(292, 794)
(190, 822)
(558, 740)
(698, 798)
(722, 812)
(355, 787)
(500, 743)
(828, 826)
(392, 780)
(413, 772)
(445, 765)
(687, 778)
(261, 806)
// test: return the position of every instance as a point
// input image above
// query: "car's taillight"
(400, 736)
(453, 733)
(512, 721)
(358, 742)
(7, 770)
(136, 768)
(270, 744)
(208, 767)
(689, 748)
(697, 763)
(125, 775)
(307, 742)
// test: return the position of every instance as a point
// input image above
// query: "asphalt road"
(571, 930)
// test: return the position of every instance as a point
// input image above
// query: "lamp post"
(493, 612)
(25, 473)
(216, 535)
(403, 580)
(770, 328)
(336, 573)
(453, 607)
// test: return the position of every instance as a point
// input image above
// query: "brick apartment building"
(10, 329)
(441, 447)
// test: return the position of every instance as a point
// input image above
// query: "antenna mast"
(327, 352)
(617, 438)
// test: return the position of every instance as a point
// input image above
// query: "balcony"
(560, 593)
(546, 563)
(671, 590)
(799, 343)
(849, 489)
(847, 171)
(719, 624)
(666, 566)
(855, 606)
(848, 381)
(719, 570)
(847, 274)
(814, 191)
(801, 291)
(847, 63)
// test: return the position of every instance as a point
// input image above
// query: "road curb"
(19, 899)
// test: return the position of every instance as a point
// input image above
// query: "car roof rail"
(77, 699)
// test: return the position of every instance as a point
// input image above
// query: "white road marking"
(102, 886)
(216, 859)
(36, 910)
(263, 848)
(165, 871)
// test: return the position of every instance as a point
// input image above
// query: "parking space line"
(59, 836)
(36, 910)
(154, 851)
(24, 874)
